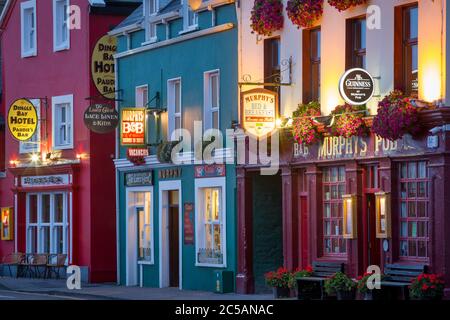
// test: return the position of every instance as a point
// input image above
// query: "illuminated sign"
(101, 118)
(7, 226)
(132, 127)
(22, 119)
(259, 111)
(102, 66)
(356, 86)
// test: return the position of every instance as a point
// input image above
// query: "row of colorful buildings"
(106, 193)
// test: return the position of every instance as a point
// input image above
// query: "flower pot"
(345, 295)
(368, 296)
(280, 293)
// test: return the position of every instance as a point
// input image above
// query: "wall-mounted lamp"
(350, 214)
(195, 4)
(35, 157)
(383, 215)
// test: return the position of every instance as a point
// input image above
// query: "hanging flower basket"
(304, 128)
(343, 5)
(396, 117)
(267, 16)
(349, 121)
(303, 13)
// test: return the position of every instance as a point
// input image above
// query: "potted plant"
(341, 285)
(303, 13)
(304, 128)
(164, 151)
(267, 16)
(349, 121)
(306, 291)
(363, 289)
(396, 117)
(343, 5)
(427, 287)
(281, 282)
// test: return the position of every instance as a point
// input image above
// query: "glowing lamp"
(195, 4)
(431, 82)
(350, 214)
(35, 157)
(383, 215)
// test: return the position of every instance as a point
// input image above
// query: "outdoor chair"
(31, 264)
(54, 265)
(13, 259)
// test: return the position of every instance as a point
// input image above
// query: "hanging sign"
(356, 86)
(102, 66)
(7, 224)
(259, 109)
(132, 127)
(22, 119)
(188, 225)
(137, 155)
(101, 118)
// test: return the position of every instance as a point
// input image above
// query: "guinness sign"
(356, 87)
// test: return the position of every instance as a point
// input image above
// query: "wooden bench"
(321, 271)
(398, 277)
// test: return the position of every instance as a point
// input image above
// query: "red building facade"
(60, 184)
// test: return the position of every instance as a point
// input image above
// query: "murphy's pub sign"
(259, 111)
(337, 148)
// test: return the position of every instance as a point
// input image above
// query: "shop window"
(47, 223)
(414, 218)
(372, 175)
(210, 230)
(272, 61)
(174, 105)
(356, 43)
(62, 111)
(28, 28)
(151, 9)
(211, 100)
(333, 190)
(34, 144)
(61, 30)
(406, 49)
(142, 201)
(311, 64)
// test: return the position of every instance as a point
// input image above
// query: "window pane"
(177, 97)
(412, 229)
(59, 208)
(421, 209)
(32, 238)
(327, 211)
(215, 120)
(45, 208)
(217, 243)
(412, 246)
(422, 190)
(404, 229)
(411, 209)
(59, 239)
(412, 190)
(334, 174)
(403, 248)
(413, 23)
(422, 170)
(32, 208)
(422, 229)
(214, 91)
(422, 249)
(403, 210)
(45, 239)
(412, 170)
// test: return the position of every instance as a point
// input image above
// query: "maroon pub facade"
(413, 171)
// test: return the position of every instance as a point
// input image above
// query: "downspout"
(117, 176)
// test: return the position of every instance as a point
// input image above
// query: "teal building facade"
(176, 223)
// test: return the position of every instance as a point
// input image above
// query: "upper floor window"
(60, 25)
(272, 61)
(211, 100)
(28, 28)
(151, 9)
(407, 49)
(174, 106)
(190, 17)
(142, 96)
(311, 64)
(34, 144)
(356, 43)
(62, 120)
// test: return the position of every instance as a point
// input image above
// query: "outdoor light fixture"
(350, 214)
(383, 215)
(195, 4)
(34, 157)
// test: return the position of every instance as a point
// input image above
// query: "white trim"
(171, 114)
(147, 20)
(30, 4)
(164, 186)
(137, 102)
(33, 146)
(211, 183)
(15, 221)
(207, 100)
(63, 45)
(71, 227)
(67, 99)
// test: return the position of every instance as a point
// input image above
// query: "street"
(8, 295)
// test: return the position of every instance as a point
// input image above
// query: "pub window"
(61, 30)
(414, 215)
(62, 112)
(311, 64)
(210, 217)
(174, 105)
(333, 190)
(406, 49)
(28, 28)
(272, 61)
(34, 144)
(356, 43)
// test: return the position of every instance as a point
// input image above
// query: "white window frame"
(186, 23)
(150, 26)
(25, 6)
(140, 99)
(171, 108)
(39, 225)
(57, 28)
(67, 99)
(201, 184)
(208, 108)
(34, 144)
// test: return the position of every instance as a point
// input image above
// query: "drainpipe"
(117, 177)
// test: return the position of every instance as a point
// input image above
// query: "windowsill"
(29, 151)
(209, 265)
(189, 29)
(143, 262)
(28, 54)
(61, 48)
(150, 41)
(67, 147)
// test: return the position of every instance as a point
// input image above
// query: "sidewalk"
(115, 292)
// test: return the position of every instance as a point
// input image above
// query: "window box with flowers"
(303, 13)
(348, 121)
(343, 5)
(304, 128)
(281, 281)
(267, 17)
(427, 287)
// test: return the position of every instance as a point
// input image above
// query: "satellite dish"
(195, 4)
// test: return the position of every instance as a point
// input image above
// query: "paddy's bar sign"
(356, 86)
(45, 181)
(102, 66)
(101, 118)
(259, 109)
(133, 127)
(22, 119)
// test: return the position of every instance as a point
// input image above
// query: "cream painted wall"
(380, 52)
